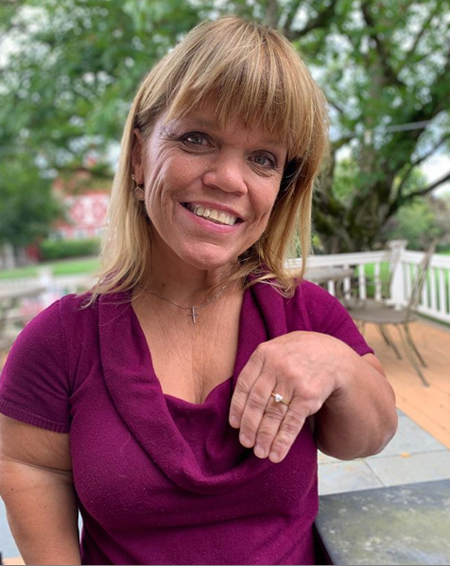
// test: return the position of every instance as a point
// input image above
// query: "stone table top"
(404, 524)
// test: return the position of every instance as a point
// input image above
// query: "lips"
(212, 214)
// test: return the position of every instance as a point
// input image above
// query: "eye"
(266, 160)
(195, 138)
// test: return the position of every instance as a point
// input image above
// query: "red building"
(85, 204)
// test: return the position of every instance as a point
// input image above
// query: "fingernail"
(259, 452)
(245, 441)
(234, 421)
(274, 457)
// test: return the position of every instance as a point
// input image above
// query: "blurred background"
(69, 70)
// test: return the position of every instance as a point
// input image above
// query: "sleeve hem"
(14, 412)
(363, 350)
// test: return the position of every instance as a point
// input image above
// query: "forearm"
(42, 514)
(359, 419)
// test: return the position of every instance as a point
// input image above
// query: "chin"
(209, 261)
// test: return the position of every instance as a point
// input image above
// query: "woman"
(123, 407)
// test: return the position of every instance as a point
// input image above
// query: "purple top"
(160, 480)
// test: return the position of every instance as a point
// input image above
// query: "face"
(209, 191)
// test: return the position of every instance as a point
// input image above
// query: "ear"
(136, 157)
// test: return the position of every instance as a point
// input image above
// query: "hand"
(306, 368)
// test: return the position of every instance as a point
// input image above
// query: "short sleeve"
(321, 312)
(34, 384)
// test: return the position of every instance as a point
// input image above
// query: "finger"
(289, 429)
(269, 425)
(244, 384)
(256, 406)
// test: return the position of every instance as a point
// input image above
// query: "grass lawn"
(76, 266)
(369, 270)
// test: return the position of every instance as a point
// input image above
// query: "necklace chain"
(194, 308)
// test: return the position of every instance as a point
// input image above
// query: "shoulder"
(308, 293)
(76, 306)
(317, 310)
(58, 330)
(65, 313)
(313, 306)
(310, 307)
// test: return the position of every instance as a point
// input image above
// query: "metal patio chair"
(382, 285)
(382, 316)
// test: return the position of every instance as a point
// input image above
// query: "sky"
(436, 167)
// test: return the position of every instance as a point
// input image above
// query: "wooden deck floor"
(429, 406)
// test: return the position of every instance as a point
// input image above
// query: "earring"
(138, 190)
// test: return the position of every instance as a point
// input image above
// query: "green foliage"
(420, 222)
(27, 207)
(345, 179)
(382, 67)
(60, 249)
(74, 66)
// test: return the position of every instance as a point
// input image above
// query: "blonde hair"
(255, 73)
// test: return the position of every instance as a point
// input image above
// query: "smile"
(211, 214)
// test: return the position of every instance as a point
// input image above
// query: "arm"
(36, 485)
(358, 419)
(351, 400)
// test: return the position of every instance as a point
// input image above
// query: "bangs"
(254, 75)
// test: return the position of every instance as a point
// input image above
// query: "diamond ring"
(279, 398)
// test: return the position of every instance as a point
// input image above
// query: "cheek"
(170, 175)
(264, 202)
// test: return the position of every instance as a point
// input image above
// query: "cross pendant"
(194, 313)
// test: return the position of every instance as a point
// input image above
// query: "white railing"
(358, 261)
(435, 300)
(54, 286)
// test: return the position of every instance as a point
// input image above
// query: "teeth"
(216, 216)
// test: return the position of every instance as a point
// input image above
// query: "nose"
(226, 172)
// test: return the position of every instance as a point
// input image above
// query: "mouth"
(212, 214)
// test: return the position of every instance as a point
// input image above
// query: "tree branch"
(356, 46)
(417, 162)
(290, 17)
(439, 97)
(335, 106)
(388, 71)
(272, 14)
(321, 20)
(432, 150)
(419, 36)
(430, 188)
(418, 59)
(342, 141)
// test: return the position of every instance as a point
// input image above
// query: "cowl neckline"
(206, 457)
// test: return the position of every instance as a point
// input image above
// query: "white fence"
(54, 286)
(435, 300)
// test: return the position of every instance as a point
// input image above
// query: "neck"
(172, 278)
